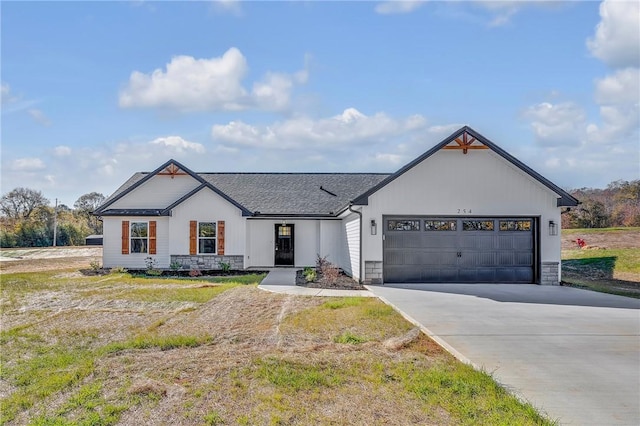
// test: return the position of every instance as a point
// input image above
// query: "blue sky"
(95, 91)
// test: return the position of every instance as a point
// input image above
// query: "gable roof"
(305, 194)
(565, 199)
(259, 194)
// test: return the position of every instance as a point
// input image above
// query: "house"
(465, 211)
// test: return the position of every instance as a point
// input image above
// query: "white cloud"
(7, 95)
(338, 132)
(557, 124)
(623, 86)
(397, 7)
(178, 145)
(617, 38)
(39, 116)
(190, 84)
(227, 7)
(62, 151)
(30, 164)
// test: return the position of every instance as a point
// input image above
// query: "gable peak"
(465, 141)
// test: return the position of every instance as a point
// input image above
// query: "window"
(139, 237)
(439, 225)
(403, 225)
(206, 237)
(515, 225)
(477, 225)
(284, 231)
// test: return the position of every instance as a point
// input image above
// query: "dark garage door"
(459, 250)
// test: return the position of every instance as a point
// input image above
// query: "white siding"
(157, 192)
(112, 243)
(351, 245)
(331, 241)
(207, 206)
(312, 237)
(450, 182)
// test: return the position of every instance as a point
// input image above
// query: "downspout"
(360, 245)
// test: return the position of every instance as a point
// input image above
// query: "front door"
(284, 245)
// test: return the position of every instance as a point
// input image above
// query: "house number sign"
(464, 211)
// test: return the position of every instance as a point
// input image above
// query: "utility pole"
(55, 223)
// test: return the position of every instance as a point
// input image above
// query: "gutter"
(360, 280)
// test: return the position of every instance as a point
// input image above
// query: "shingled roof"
(294, 193)
(269, 194)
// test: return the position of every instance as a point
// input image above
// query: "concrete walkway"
(283, 280)
(572, 353)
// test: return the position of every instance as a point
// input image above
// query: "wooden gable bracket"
(466, 143)
(172, 170)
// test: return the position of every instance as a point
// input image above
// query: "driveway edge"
(459, 356)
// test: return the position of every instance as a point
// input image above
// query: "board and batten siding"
(450, 183)
(157, 193)
(207, 206)
(330, 241)
(112, 243)
(312, 237)
(351, 245)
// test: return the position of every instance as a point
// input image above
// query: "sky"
(93, 92)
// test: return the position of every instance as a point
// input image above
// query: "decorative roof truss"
(465, 142)
(172, 170)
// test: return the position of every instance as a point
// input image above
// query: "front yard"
(115, 349)
(609, 260)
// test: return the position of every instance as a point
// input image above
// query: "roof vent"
(327, 191)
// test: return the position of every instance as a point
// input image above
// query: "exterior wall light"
(553, 228)
(374, 227)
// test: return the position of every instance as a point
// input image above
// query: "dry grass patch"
(137, 351)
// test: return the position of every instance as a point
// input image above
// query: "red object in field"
(580, 242)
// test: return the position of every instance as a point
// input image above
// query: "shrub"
(95, 265)
(175, 266)
(310, 275)
(321, 262)
(225, 267)
(118, 270)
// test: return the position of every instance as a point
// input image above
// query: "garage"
(423, 249)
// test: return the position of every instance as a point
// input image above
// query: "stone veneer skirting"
(549, 273)
(372, 272)
(208, 262)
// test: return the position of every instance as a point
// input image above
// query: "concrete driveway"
(572, 353)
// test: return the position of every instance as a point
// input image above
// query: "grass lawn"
(78, 350)
(609, 263)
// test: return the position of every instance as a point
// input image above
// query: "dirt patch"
(48, 259)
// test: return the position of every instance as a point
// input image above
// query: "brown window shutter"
(193, 237)
(221, 237)
(152, 237)
(125, 237)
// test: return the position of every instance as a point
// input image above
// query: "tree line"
(616, 205)
(27, 219)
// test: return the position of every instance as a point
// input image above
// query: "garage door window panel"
(515, 225)
(477, 225)
(403, 225)
(439, 225)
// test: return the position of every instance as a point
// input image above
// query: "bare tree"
(21, 203)
(85, 205)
